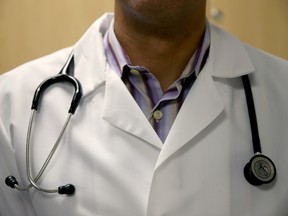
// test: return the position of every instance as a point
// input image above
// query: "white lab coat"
(115, 159)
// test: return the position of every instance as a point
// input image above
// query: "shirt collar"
(116, 55)
(118, 59)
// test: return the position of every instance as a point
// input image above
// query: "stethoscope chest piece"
(260, 170)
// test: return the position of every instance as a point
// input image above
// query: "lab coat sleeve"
(12, 202)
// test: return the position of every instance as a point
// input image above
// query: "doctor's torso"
(115, 159)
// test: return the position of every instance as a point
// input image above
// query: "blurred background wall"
(261, 23)
(33, 28)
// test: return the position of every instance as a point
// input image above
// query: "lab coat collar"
(89, 55)
(228, 57)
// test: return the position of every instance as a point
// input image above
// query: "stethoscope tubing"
(33, 181)
(252, 114)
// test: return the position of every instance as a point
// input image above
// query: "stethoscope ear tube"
(12, 182)
(60, 78)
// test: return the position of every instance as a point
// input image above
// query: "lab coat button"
(157, 115)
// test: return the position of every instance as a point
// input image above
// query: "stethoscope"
(259, 170)
(65, 75)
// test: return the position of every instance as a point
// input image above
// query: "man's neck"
(163, 48)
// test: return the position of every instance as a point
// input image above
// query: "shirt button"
(134, 71)
(157, 115)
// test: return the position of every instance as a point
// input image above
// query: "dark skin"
(160, 35)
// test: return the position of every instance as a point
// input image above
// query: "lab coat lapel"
(227, 59)
(122, 111)
(201, 107)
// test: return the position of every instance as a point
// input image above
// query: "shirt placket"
(160, 109)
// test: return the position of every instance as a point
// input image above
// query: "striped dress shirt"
(160, 108)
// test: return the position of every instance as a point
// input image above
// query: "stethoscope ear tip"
(68, 189)
(11, 181)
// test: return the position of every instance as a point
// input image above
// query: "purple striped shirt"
(160, 108)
